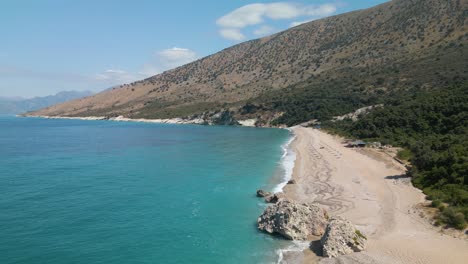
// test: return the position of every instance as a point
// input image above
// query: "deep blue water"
(106, 192)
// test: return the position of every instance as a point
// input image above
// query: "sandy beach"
(369, 189)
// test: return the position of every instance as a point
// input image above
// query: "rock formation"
(262, 193)
(292, 181)
(221, 117)
(341, 238)
(274, 198)
(293, 221)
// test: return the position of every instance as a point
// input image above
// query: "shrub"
(453, 218)
(441, 207)
(404, 154)
(459, 221)
(435, 203)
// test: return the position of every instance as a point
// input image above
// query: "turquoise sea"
(89, 192)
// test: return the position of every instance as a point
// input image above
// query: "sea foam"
(296, 246)
(287, 163)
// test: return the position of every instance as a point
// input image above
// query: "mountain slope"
(20, 105)
(368, 53)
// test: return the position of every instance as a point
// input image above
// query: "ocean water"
(77, 191)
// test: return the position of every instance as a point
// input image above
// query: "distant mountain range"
(18, 105)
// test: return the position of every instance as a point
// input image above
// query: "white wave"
(287, 162)
(296, 246)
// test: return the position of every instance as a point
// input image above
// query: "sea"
(76, 191)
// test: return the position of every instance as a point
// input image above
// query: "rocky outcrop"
(221, 117)
(292, 181)
(248, 122)
(275, 198)
(342, 238)
(224, 117)
(262, 193)
(293, 221)
(354, 116)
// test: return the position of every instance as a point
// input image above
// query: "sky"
(56, 45)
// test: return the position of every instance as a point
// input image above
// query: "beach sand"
(369, 189)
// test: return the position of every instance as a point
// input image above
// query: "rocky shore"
(306, 222)
(223, 117)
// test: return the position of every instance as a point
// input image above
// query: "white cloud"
(162, 60)
(171, 58)
(232, 34)
(115, 76)
(255, 14)
(297, 23)
(149, 70)
(320, 11)
(117, 72)
(159, 62)
(263, 30)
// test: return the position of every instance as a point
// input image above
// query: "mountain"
(18, 105)
(316, 70)
(407, 56)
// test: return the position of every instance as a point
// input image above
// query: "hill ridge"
(364, 43)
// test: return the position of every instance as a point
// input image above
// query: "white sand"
(358, 185)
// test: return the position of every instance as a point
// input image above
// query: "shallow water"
(105, 192)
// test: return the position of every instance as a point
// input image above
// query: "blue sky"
(55, 45)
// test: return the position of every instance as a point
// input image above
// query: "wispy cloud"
(297, 23)
(161, 61)
(174, 57)
(149, 70)
(255, 14)
(263, 30)
(232, 34)
(167, 59)
(115, 76)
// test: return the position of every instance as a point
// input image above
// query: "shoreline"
(370, 190)
(287, 162)
(175, 121)
(364, 187)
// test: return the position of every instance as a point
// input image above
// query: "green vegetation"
(436, 203)
(155, 110)
(309, 101)
(360, 234)
(453, 218)
(433, 127)
(404, 154)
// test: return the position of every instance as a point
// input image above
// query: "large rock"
(222, 117)
(292, 181)
(219, 117)
(262, 193)
(341, 238)
(275, 198)
(293, 220)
